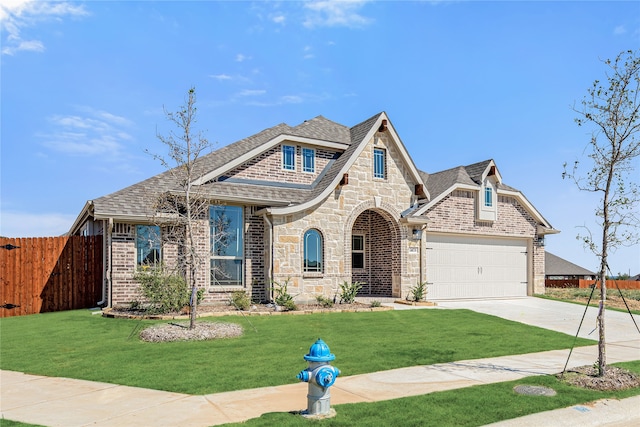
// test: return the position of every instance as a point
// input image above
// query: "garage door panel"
(475, 267)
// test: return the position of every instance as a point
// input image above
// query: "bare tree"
(182, 212)
(611, 110)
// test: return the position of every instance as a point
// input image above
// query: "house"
(319, 204)
(557, 268)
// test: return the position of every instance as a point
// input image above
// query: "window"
(148, 244)
(308, 160)
(289, 157)
(357, 251)
(312, 252)
(488, 197)
(378, 163)
(227, 241)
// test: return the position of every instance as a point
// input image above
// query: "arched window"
(313, 251)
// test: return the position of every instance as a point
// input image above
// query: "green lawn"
(472, 406)
(77, 344)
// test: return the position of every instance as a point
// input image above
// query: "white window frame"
(305, 156)
(379, 160)
(285, 153)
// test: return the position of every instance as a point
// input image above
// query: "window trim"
(288, 150)
(379, 161)
(359, 251)
(141, 264)
(488, 196)
(306, 168)
(306, 269)
(241, 257)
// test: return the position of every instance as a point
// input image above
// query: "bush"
(418, 292)
(164, 291)
(375, 304)
(282, 297)
(324, 301)
(349, 291)
(240, 300)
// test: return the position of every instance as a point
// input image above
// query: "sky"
(84, 87)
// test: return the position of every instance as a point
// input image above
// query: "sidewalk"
(70, 403)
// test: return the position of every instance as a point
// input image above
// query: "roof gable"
(360, 134)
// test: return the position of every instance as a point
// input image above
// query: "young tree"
(611, 110)
(181, 212)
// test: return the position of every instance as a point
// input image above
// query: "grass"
(581, 295)
(472, 406)
(76, 344)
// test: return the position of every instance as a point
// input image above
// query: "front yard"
(77, 344)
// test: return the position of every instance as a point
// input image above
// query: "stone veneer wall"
(456, 213)
(335, 217)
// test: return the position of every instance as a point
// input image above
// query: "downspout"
(270, 250)
(106, 278)
(104, 261)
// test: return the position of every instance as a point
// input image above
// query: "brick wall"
(268, 167)
(456, 213)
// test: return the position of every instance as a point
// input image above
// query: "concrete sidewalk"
(66, 402)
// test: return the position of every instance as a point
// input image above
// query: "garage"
(475, 267)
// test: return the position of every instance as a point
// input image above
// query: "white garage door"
(475, 267)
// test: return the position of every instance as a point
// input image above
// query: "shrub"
(324, 301)
(240, 300)
(376, 304)
(418, 292)
(349, 291)
(164, 291)
(282, 297)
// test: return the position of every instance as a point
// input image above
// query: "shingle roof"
(556, 266)
(138, 199)
(439, 182)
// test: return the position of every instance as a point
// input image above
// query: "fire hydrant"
(320, 375)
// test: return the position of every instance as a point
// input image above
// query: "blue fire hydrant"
(320, 375)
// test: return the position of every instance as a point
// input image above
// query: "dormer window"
(487, 206)
(308, 160)
(488, 197)
(379, 163)
(289, 157)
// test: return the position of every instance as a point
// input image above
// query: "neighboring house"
(320, 204)
(557, 268)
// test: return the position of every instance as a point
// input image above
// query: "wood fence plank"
(50, 274)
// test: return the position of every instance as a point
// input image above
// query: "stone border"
(110, 313)
(416, 303)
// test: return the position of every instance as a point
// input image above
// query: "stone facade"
(338, 216)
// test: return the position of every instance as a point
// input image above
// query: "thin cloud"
(252, 92)
(335, 13)
(241, 58)
(19, 15)
(220, 77)
(26, 224)
(619, 30)
(279, 19)
(95, 133)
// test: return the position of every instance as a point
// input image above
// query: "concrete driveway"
(557, 316)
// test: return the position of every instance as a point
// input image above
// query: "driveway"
(555, 315)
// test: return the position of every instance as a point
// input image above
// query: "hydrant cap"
(319, 352)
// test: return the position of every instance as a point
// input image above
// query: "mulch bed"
(614, 378)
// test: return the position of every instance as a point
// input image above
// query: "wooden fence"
(44, 274)
(582, 283)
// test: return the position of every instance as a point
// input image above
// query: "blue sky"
(84, 84)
